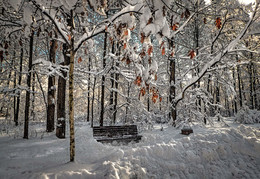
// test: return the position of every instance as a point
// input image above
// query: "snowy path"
(208, 153)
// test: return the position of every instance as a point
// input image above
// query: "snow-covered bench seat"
(123, 134)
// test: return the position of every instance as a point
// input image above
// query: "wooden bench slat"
(124, 134)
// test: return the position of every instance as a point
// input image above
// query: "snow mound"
(248, 116)
(231, 152)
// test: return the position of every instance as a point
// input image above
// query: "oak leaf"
(175, 27)
(126, 33)
(150, 50)
(150, 21)
(192, 54)
(142, 38)
(69, 36)
(79, 59)
(218, 23)
(163, 51)
(155, 77)
(142, 91)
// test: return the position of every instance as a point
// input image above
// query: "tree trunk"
(92, 104)
(61, 97)
(88, 107)
(33, 97)
(103, 84)
(116, 93)
(254, 85)
(19, 93)
(14, 92)
(250, 72)
(51, 90)
(71, 106)
(112, 84)
(172, 88)
(71, 88)
(235, 100)
(239, 85)
(27, 100)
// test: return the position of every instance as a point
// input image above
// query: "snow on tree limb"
(56, 24)
(217, 58)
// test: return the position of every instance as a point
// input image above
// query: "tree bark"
(116, 94)
(61, 97)
(103, 84)
(254, 85)
(51, 90)
(88, 107)
(92, 104)
(27, 100)
(250, 72)
(172, 88)
(235, 100)
(71, 88)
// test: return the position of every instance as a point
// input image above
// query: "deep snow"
(222, 152)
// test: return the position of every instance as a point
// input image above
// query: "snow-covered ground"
(222, 152)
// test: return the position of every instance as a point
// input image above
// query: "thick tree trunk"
(103, 84)
(51, 91)
(71, 106)
(61, 97)
(27, 100)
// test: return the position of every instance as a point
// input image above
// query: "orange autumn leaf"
(138, 80)
(161, 44)
(163, 51)
(160, 99)
(124, 45)
(155, 77)
(172, 54)
(175, 27)
(150, 21)
(154, 98)
(69, 36)
(142, 38)
(142, 91)
(126, 32)
(218, 23)
(150, 50)
(79, 59)
(132, 28)
(192, 54)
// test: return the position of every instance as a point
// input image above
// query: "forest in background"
(140, 61)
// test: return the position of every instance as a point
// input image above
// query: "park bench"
(123, 134)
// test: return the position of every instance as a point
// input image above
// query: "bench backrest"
(113, 131)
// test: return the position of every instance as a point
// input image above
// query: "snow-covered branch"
(217, 58)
